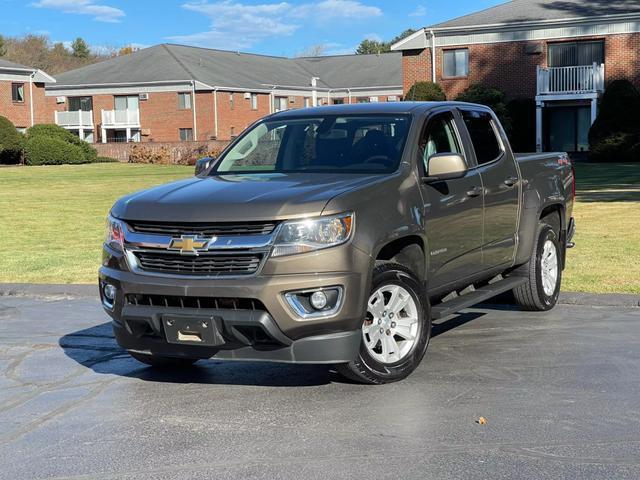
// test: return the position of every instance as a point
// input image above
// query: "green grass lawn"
(52, 222)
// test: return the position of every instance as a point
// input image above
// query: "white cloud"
(101, 13)
(420, 11)
(328, 9)
(236, 25)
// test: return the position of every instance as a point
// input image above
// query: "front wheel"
(543, 273)
(396, 328)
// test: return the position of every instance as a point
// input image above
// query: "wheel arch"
(408, 251)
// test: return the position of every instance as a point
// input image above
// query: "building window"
(17, 92)
(254, 101)
(573, 54)
(363, 100)
(456, 63)
(231, 101)
(186, 134)
(184, 101)
(338, 101)
(84, 104)
(232, 132)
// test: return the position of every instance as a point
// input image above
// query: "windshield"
(340, 144)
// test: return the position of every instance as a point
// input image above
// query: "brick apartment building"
(560, 53)
(22, 94)
(172, 93)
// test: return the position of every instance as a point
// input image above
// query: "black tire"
(365, 369)
(163, 362)
(531, 295)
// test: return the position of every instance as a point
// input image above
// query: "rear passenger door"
(453, 208)
(500, 179)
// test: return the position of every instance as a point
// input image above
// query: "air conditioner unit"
(143, 96)
(247, 96)
(392, 98)
(373, 99)
(60, 99)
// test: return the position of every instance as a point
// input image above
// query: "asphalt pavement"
(560, 392)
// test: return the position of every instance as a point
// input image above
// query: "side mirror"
(445, 166)
(203, 164)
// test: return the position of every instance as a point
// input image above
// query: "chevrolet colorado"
(336, 235)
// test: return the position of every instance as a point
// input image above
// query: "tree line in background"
(38, 51)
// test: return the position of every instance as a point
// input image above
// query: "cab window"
(439, 137)
(483, 136)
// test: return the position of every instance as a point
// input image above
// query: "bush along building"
(563, 55)
(173, 93)
(22, 95)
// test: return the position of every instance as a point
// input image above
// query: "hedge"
(41, 150)
(11, 142)
(425, 92)
(615, 135)
(491, 97)
(56, 131)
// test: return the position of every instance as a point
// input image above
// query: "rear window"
(483, 136)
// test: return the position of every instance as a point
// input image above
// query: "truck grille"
(203, 229)
(205, 264)
(217, 303)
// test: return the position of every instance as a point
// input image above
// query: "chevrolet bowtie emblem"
(189, 244)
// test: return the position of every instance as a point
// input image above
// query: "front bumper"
(282, 335)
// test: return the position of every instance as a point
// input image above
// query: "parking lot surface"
(560, 392)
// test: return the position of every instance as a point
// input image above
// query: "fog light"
(314, 303)
(109, 292)
(318, 300)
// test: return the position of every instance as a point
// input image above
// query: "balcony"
(120, 118)
(77, 120)
(568, 81)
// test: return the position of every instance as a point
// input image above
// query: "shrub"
(491, 97)
(522, 114)
(425, 92)
(41, 150)
(617, 147)
(615, 135)
(56, 131)
(11, 142)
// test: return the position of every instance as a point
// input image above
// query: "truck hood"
(265, 196)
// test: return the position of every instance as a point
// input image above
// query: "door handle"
(511, 181)
(475, 192)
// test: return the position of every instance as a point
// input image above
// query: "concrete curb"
(88, 291)
(47, 290)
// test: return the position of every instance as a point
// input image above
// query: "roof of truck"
(382, 108)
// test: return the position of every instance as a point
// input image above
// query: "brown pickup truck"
(335, 235)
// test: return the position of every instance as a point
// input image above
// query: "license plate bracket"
(187, 330)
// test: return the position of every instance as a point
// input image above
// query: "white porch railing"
(77, 119)
(571, 80)
(120, 118)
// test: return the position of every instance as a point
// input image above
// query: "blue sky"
(278, 27)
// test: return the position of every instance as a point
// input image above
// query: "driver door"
(453, 209)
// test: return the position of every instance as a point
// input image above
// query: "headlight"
(300, 236)
(114, 233)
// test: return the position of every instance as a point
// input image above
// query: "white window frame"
(184, 101)
(456, 57)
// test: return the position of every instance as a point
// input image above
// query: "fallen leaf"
(481, 421)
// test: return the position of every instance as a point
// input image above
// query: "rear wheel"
(396, 328)
(163, 362)
(543, 273)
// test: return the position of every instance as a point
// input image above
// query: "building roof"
(16, 68)
(224, 69)
(522, 11)
(5, 64)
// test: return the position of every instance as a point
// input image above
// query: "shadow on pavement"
(96, 348)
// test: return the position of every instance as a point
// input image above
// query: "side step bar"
(475, 296)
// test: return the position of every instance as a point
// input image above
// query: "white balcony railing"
(571, 80)
(120, 118)
(77, 119)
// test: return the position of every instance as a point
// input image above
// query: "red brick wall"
(507, 65)
(20, 113)
(234, 117)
